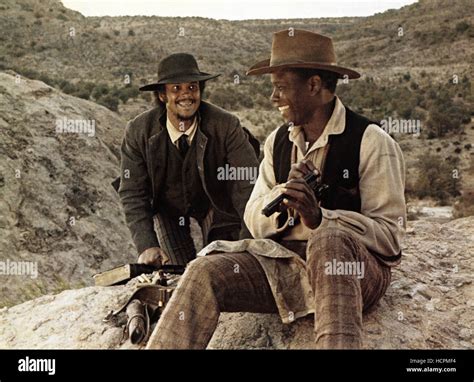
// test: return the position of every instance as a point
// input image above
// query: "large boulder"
(58, 208)
(429, 305)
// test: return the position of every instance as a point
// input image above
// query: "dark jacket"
(220, 140)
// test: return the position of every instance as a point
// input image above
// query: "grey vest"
(182, 192)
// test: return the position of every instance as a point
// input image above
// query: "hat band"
(175, 75)
(293, 62)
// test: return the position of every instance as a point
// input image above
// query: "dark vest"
(182, 192)
(341, 169)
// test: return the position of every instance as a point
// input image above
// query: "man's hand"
(301, 169)
(300, 196)
(153, 256)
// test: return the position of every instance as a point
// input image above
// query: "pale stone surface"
(429, 305)
(57, 205)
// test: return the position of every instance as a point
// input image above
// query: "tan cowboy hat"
(297, 48)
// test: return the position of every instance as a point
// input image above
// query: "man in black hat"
(174, 162)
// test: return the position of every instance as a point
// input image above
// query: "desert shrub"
(462, 26)
(99, 91)
(465, 205)
(126, 92)
(67, 87)
(47, 80)
(109, 101)
(84, 89)
(26, 7)
(445, 116)
(436, 178)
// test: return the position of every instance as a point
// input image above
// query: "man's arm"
(264, 192)
(135, 193)
(240, 154)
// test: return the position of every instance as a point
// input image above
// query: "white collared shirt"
(175, 134)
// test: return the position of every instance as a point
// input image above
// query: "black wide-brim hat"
(178, 68)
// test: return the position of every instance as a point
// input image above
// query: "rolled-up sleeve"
(264, 192)
(240, 155)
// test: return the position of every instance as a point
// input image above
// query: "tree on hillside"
(437, 178)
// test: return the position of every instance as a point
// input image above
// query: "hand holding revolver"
(300, 196)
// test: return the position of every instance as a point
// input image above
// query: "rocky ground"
(57, 205)
(429, 305)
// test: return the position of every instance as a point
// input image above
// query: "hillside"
(38, 35)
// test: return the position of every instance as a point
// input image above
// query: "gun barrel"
(272, 207)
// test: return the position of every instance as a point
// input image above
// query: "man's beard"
(185, 119)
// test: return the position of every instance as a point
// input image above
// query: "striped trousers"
(212, 285)
(174, 234)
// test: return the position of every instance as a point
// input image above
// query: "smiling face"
(292, 96)
(182, 102)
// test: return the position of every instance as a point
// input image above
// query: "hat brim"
(263, 67)
(178, 80)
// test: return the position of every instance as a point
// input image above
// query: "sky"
(235, 10)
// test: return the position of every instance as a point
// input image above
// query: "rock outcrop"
(429, 305)
(57, 207)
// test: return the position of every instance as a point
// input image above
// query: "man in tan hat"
(328, 253)
(174, 161)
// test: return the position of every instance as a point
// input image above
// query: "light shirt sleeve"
(264, 191)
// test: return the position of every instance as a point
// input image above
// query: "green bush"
(126, 92)
(109, 101)
(67, 87)
(445, 116)
(436, 177)
(462, 26)
(84, 89)
(99, 91)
